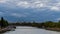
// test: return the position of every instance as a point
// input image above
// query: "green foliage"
(58, 24)
(3, 22)
(47, 24)
(50, 24)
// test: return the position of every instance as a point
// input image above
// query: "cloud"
(3, 1)
(39, 4)
(17, 15)
(58, 19)
(1, 13)
(30, 8)
(26, 4)
(55, 8)
(49, 4)
(23, 4)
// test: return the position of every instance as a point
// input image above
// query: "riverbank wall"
(9, 28)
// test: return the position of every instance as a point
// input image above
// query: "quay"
(9, 28)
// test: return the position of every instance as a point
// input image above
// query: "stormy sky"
(30, 10)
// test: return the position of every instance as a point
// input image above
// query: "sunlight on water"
(31, 30)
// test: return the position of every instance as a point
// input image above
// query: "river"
(30, 30)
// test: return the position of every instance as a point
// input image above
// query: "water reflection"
(31, 30)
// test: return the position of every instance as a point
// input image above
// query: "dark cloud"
(38, 10)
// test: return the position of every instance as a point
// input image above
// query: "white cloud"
(58, 19)
(55, 8)
(26, 4)
(3, 1)
(40, 4)
(1, 13)
(49, 4)
(18, 15)
(23, 4)
(37, 4)
(58, 4)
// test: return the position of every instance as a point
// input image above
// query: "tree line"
(47, 24)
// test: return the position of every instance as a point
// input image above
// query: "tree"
(50, 24)
(58, 24)
(3, 22)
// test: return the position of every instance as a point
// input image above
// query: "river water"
(30, 30)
